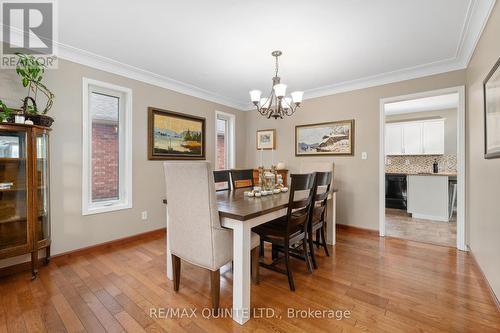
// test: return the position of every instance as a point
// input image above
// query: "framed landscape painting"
(333, 138)
(175, 136)
(491, 87)
(266, 139)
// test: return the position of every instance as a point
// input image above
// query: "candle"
(261, 151)
(272, 157)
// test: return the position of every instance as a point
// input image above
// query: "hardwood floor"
(388, 285)
(399, 224)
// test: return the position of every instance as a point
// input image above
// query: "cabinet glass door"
(13, 190)
(42, 187)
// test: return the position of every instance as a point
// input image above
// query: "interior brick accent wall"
(105, 158)
(220, 152)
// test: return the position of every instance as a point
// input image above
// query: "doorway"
(422, 167)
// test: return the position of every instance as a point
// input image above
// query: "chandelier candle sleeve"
(276, 105)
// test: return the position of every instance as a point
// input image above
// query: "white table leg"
(241, 270)
(331, 232)
(168, 254)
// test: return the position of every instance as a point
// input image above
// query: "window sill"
(105, 209)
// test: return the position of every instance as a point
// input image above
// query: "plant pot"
(40, 119)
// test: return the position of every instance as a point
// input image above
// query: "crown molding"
(477, 17)
(96, 61)
(474, 23)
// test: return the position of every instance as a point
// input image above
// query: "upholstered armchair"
(195, 232)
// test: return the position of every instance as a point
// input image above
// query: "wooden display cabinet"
(24, 192)
(282, 172)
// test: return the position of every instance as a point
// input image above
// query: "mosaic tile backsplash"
(420, 163)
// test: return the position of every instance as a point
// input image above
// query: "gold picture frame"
(329, 138)
(266, 139)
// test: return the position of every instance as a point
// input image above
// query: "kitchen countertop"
(447, 174)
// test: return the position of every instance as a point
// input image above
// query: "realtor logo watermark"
(29, 28)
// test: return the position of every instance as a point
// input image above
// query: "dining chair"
(317, 216)
(242, 178)
(222, 180)
(194, 229)
(288, 233)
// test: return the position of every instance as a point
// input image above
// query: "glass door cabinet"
(24, 192)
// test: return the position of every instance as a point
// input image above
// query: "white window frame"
(230, 139)
(125, 149)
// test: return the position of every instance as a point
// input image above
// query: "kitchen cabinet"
(425, 137)
(393, 139)
(433, 137)
(412, 138)
(428, 197)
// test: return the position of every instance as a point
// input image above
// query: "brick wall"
(104, 161)
(220, 152)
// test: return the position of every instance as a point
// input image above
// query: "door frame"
(461, 167)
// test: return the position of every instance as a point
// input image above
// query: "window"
(224, 152)
(107, 153)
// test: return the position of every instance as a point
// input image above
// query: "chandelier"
(276, 105)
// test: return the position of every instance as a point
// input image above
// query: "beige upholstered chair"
(194, 228)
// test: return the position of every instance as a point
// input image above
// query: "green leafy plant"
(31, 72)
(5, 112)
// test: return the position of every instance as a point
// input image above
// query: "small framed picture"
(491, 87)
(266, 139)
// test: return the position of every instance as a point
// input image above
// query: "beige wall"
(483, 181)
(450, 125)
(356, 179)
(71, 230)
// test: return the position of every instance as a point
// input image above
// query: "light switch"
(364, 155)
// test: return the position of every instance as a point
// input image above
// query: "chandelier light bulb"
(297, 96)
(255, 95)
(280, 89)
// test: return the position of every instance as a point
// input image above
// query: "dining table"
(241, 213)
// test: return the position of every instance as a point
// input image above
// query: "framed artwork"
(175, 136)
(266, 139)
(333, 138)
(491, 88)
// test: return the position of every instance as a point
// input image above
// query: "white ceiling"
(220, 49)
(441, 102)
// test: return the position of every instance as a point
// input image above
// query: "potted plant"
(31, 71)
(5, 112)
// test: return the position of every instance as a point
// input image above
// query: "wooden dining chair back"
(222, 180)
(317, 216)
(194, 230)
(289, 233)
(301, 194)
(242, 178)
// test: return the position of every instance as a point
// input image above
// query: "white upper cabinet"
(424, 137)
(393, 139)
(412, 138)
(433, 137)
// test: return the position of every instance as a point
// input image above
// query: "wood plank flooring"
(399, 224)
(389, 285)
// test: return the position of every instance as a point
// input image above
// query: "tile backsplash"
(420, 163)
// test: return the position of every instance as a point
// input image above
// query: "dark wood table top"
(235, 205)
